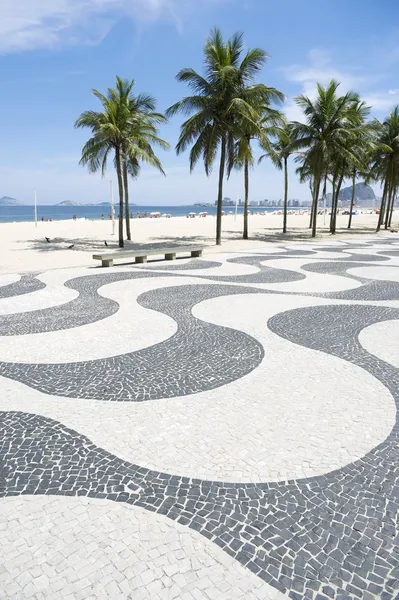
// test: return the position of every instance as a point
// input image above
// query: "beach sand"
(24, 248)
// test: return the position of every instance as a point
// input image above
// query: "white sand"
(23, 247)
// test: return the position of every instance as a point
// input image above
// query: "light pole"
(35, 210)
(112, 207)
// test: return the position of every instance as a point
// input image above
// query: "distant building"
(226, 202)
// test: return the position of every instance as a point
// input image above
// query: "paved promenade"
(220, 428)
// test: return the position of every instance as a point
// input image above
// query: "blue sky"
(52, 52)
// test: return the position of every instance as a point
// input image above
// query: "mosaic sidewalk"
(222, 428)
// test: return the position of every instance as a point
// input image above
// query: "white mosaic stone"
(382, 340)
(9, 278)
(131, 328)
(58, 548)
(314, 282)
(380, 273)
(300, 413)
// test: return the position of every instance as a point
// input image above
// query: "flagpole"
(112, 207)
(35, 211)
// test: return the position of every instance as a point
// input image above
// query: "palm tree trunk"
(392, 208)
(126, 190)
(352, 199)
(325, 197)
(311, 187)
(120, 188)
(315, 203)
(246, 187)
(338, 190)
(220, 193)
(334, 191)
(285, 195)
(388, 207)
(312, 210)
(382, 207)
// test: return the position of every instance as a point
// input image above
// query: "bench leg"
(171, 256)
(107, 263)
(141, 259)
(196, 253)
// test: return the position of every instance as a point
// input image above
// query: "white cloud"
(32, 24)
(380, 102)
(321, 69)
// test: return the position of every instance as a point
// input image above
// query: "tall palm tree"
(357, 133)
(141, 134)
(385, 164)
(224, 96)
(364, 148)
(125, 128)
(107, 137)
(279, 152)
(263, 130)
(324, 135)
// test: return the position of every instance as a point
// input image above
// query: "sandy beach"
(24, 247)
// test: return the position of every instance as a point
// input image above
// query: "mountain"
(363, 192)
(7, 201)
(364, 196)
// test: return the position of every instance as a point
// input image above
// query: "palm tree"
(279, 153)
(107, 137)
(222, 98)
(324, 136)
(126, 128)
(263, 130)
(364, 147)
(385, 164)
(141, 135)
(357, 133)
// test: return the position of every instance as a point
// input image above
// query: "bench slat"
(141, 255)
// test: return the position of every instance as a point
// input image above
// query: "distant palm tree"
(324, 137)
(222, 98)
(279, 152)
(126, 128)
(263, 130)
(385, 164)
(357, 133)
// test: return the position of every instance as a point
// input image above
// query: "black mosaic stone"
(393, 253)
(183, 265)
(26, 285)
(351, 256)
(199, 357)
(371, 290)
(88, 307)
(334, 536)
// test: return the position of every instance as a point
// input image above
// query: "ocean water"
(10, 214)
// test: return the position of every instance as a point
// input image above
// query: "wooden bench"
(107, 260)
